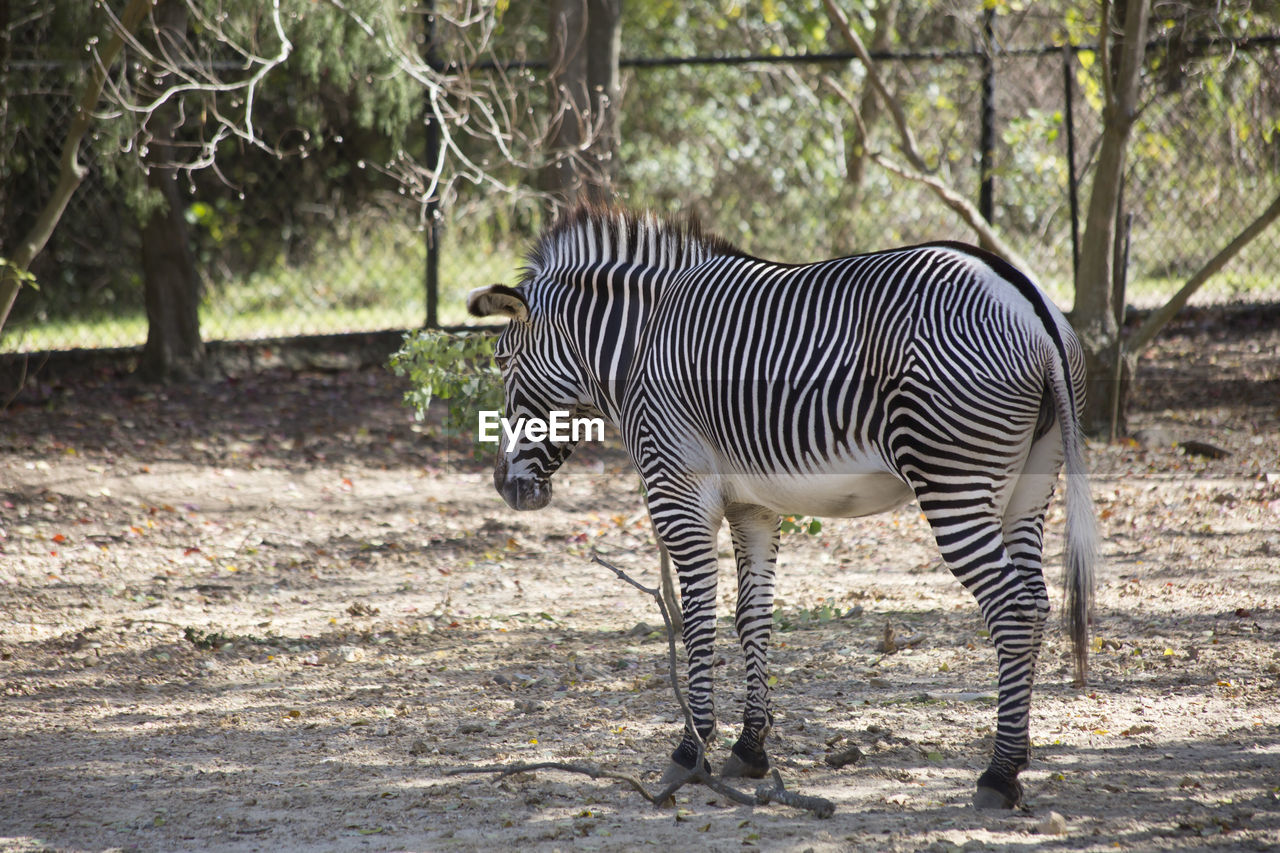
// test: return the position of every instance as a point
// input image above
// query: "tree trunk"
(1094, 313)
(6, 142)
(604, 48)
(582, 136)
(174, 350)
(562, 176)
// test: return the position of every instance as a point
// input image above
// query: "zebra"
(746, 390)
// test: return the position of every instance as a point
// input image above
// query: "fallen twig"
(672, 668)
(504, 770)
(820, 806)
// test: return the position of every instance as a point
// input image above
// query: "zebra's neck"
(607, 271)
(604, 312)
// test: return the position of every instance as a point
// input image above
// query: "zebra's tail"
(1082, 528)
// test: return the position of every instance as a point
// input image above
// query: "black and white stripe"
(745, 390)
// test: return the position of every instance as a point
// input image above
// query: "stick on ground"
(764, 794)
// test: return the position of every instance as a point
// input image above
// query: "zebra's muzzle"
(523, 492)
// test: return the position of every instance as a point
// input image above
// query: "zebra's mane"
(588, 236)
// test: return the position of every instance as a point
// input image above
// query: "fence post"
(987, 142)
(432, 128)
(1073, 190)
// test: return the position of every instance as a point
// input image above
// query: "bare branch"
(1104, 51)
(987, 236)
(906, 138)
(184, 69)
(763, 795)
(820, 806)
(917, 172)
(672, 657)
(504, 770)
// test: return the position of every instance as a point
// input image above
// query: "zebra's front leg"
(755, 532)
(689, 538)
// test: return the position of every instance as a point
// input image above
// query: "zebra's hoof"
(749, 767)
(997, 791)
(735, 768)
(990, 798)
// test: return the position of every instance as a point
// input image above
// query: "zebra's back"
(790, 381)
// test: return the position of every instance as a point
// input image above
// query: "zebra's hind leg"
(1018, 647)
(755, 532)
(1014, 611)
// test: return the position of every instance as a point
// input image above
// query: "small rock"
(852, 755)
(641, 630)
(1053, 824)
(1152, 437)
(344, 654)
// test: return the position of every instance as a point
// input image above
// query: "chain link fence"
(767, 153)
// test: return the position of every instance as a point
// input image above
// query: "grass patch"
(371, 275)
(366, 279)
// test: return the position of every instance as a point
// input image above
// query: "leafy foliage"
(802, 524)
(454, 367)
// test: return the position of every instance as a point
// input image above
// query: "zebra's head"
(539, 378)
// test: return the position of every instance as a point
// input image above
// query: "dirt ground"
(272, 613)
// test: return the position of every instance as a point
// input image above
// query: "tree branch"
(907, 138)
(763, 795)
(1146, 333)
(188, 72)
(916, 171)
(987, 236)
(504, 770)
(70, 170)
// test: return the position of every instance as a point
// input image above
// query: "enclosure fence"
(758, 147)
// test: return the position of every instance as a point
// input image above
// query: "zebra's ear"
(498, 299)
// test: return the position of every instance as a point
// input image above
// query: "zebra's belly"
(833, 495)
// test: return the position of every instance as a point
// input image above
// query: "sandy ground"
(273, 613)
